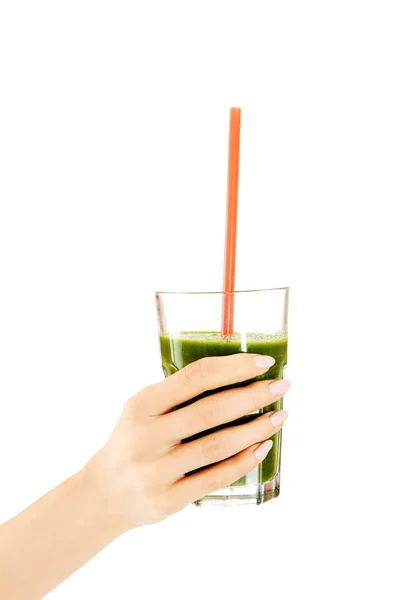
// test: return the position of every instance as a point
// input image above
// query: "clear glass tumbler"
(189, 328)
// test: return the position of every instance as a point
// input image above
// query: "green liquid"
(178, 350)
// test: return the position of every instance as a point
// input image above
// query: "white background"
(113, 143)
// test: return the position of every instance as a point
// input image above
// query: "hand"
(141, 469)
(138, 477)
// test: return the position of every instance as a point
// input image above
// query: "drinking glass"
(190, 328)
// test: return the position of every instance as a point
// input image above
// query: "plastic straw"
(231, 223)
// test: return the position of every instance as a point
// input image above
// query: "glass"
(189, 329)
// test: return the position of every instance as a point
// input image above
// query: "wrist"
(100, 491)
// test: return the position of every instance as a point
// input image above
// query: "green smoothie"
(178, 350)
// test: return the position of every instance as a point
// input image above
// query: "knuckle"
(148, 391)
(259, 429)
(256, 395)
(210, 446)
(200, 373)
(206, 412)
(132, 407)
(194, 371)
(138, 405)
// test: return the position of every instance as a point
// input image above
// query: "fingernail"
(279, 417)
(264, 362)
(279, 387)
(262, 450)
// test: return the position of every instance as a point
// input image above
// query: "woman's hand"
(138, 477)
(141, 469)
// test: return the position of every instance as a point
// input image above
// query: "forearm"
(53, 537)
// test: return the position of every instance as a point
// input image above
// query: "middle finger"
(222, 407)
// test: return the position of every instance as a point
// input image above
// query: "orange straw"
(231, 223)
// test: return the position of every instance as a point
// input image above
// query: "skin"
(138, 477)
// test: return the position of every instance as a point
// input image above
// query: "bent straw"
(231, 223)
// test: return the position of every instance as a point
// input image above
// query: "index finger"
(201, 376)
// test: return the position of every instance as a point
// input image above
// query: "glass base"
(252, 494)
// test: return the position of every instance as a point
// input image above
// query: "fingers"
(224, 443)
(222, 407)
(205, 374)
(200, 484)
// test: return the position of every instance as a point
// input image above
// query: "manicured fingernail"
(264, 362)
(262, 450)
(279, 417)
(279, 387)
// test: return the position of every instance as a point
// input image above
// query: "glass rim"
(235, 292)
